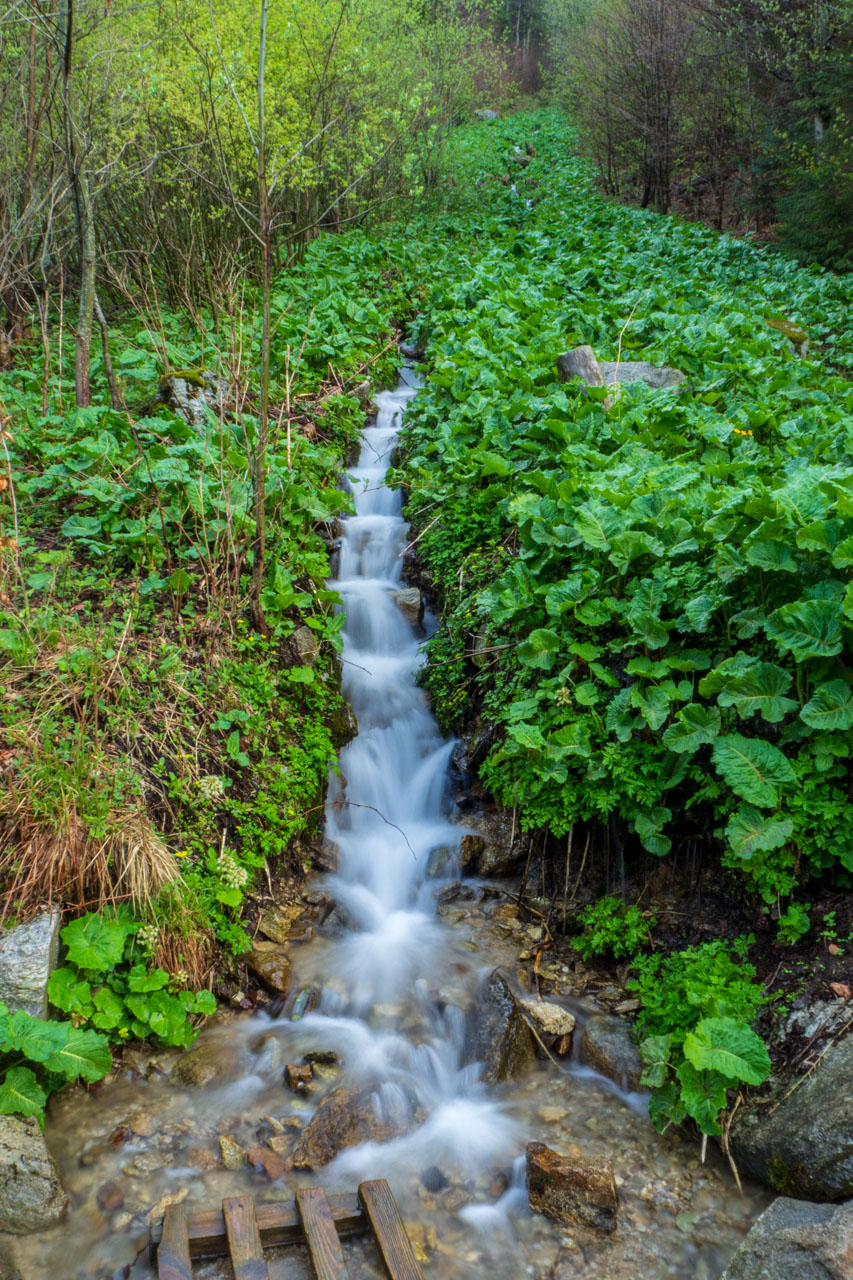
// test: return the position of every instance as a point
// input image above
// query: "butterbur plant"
(695, 1038)
(105, 983)
(38, 1056)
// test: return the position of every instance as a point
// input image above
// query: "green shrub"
(107, 982)
(694, 1029)
(612, 929)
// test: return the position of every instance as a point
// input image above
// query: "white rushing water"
(389, 808)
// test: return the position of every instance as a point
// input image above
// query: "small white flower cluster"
(148, 937)
(211, 786)
(563, 696)
(231, 872)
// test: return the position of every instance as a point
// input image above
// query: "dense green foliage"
(610, 928)
(647, 592)
(107, 981)
(38, 1056)
(694, 1030)
(156, 742)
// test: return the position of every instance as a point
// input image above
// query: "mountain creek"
(390, 1003)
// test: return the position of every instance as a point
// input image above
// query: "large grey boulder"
(192, 393)
(581, 363)
(31, 1195)
(803, 1146)
(27, 958)
(796, 1240)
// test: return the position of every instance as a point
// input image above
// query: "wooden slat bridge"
(242, 1230)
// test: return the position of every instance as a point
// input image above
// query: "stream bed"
(395, 977)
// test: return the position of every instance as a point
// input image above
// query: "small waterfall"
(388, 809)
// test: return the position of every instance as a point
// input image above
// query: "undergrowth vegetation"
(155, 749)
(647, 592)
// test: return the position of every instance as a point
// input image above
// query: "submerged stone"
(607, 1045)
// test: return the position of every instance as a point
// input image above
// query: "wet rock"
(409, 352)
(142, 1125)
(470, 851)
(553, 1024)
(325, 855)
(306, 646)
(27, 958)
(343, 725)
(271, 965)
(267, 1161)
(276, 922)
(607, 1045)
(349, 1117)
(303, 1001)
(497, 1034)
(803, 1147)
(282, 1144)
(363, 394)
(796, 1240)
(581, 363)
(441, 862)
(206, 1061)
(31, 1195)
(571, 1189)
(171, 1197)
(410, 602)
(434, 1180)
(110, 1197)
(232, 1154)
(201, 1158)
(502, 846)
(298, 1076)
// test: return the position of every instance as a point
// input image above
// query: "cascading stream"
(388, 810)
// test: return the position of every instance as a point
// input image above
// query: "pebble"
(233, 1155)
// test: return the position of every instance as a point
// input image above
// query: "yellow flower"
(181, 853)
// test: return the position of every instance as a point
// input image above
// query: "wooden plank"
(389, 1232)
(327, 1257)
(278, 1222)
(173, 1258)
(244, 1239)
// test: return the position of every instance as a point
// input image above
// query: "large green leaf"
(760, 689)
(597, 523)
(693, 727)
(806, 628)
(772, 555)
(21, 1094)
(95, 941)
(704, 1096)
(654, 1054)
(86, 1054)
(750, 831)
(539, 648)
(730, 1047)
(37, 1038)
(753, 768)
(830, 707)
(649, 827)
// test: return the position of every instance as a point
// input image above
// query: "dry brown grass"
(43, 865)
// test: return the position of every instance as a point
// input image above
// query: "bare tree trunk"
(260, 459)
(85, 218)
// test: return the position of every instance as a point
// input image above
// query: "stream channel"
(394, 982)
